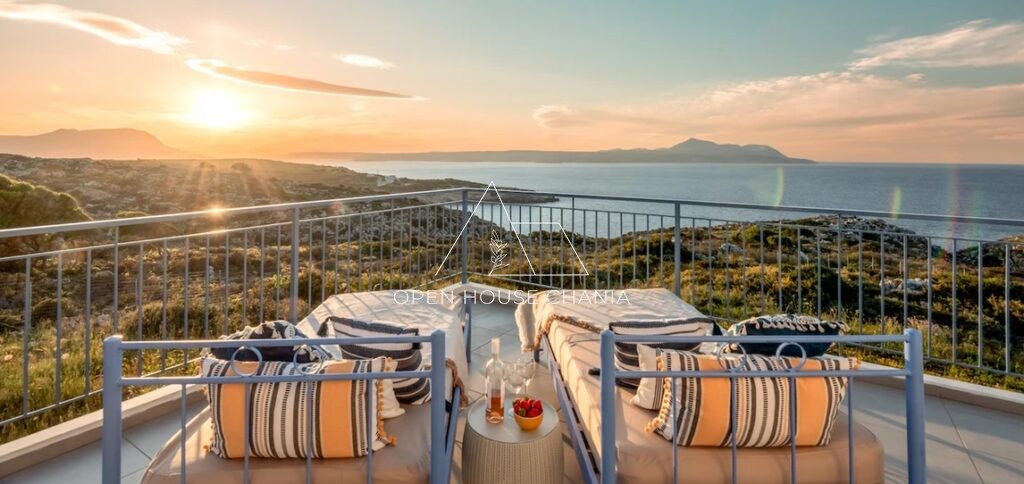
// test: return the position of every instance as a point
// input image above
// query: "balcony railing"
(202, 274)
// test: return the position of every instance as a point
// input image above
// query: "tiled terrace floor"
(966, 443)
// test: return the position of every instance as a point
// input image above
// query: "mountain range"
(126, 143)
(122, 143)
(692, 150)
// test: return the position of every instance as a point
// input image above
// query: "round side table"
(501, 453)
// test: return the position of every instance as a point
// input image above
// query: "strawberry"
(536, 405)
(533, 412)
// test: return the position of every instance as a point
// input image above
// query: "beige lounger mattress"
(406, 462)
(647, 458)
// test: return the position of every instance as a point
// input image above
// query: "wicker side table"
(501, 453)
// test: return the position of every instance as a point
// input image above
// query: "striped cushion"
(407, 356)
(784, 325)
(762, 404)
(341, 411)
(271, 330)
(626, 357)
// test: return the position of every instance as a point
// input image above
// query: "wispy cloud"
(113, 29)
(282, 81)
(554, 116)
(360, 60)
(973, 44)
(857, 112)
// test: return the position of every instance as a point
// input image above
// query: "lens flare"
(780, 186)
(896, 202)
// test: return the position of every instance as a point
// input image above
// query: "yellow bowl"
(529, 424)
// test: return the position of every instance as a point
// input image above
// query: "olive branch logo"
(499, 251)
(504, 245)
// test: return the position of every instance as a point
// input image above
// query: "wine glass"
(514, 378)
(526, 368)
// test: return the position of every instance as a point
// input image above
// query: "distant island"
(692, 150)
(133, 144)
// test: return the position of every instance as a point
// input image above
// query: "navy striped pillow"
(626, 356)
(408, 356)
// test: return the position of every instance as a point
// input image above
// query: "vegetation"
(208, 284)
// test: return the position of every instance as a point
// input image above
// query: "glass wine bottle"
(494, 383)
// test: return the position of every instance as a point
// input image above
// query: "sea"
(965, 190)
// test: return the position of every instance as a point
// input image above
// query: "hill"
(692, 150)
(118, 144)
(109, 188)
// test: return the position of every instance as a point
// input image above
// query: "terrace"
(199, 275)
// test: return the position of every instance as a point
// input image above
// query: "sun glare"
(216, 109)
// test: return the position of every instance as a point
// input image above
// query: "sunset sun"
(216, 109)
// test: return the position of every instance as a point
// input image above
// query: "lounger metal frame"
(601, 466)
(442, 423)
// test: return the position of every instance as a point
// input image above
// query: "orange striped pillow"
(762, 419)
(341, 410)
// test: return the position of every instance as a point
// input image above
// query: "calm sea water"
(968, 190)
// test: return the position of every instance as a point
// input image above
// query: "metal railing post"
(677, 254)
(293, 314)
(914, 389)
(608, 454)
(464, 246)
(112, 410)
(438, 387)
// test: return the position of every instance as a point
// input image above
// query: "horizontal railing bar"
(868, 338)
(942, 361)
(794, 372)
(232, 230)
(776, 208)
(226, 212)
(767, 223)
(50, 407)
(267, 343)
(578, 209)
(201, 380)
(109, 223)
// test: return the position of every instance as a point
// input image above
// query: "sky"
(909, 81)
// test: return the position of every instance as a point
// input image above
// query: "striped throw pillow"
(345, 416)
(271, 330)
(626, 356)
(407, 356)
(762, 404)
(784, 325)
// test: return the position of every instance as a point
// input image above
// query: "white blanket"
(426, 310)
(598, 308)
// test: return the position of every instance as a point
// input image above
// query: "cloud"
(281, 81)
(976, 43)
(360, 60)
(855, 114)
(555, 116)
(116, 30)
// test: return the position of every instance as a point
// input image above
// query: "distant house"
(385, 180)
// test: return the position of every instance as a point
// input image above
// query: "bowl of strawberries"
(529, 413)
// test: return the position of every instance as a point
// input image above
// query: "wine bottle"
(494, 383)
